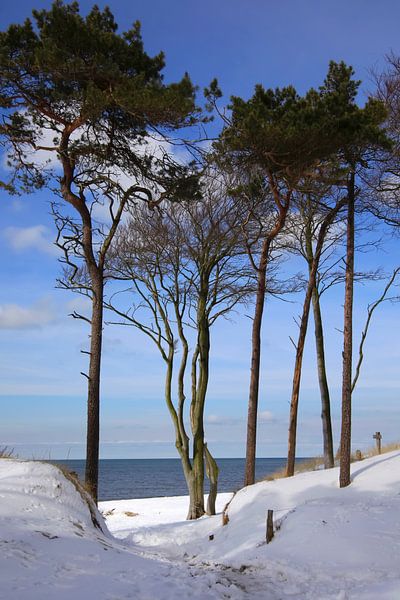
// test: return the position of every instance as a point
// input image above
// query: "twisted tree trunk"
(196, 508)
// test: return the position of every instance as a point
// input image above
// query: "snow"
(330, 543)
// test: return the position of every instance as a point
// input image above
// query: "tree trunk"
(282, 206)
(250, 468)
(196, 497)
(329, 460)
(297, 374)
(345, 437)
(196, 508)
(302, 336)
(196, 487)
(181, 439)
(212, 472)
(93, 408)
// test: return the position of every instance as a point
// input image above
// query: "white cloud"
(37, 237)
(213, 419)
(266, 415)
(80, 304)
(218, 420)
(17, 205)
(14, 316)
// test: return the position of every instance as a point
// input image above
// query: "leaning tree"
(278, 137)
(316, 216)
(355, 135)
(85, 97)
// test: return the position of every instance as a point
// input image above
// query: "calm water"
(148, 478)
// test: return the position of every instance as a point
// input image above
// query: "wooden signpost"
(378, 437)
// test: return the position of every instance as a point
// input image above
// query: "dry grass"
(314, 464)
(82, 490)
(6, 452)
(310, 464)
(386, 448)
(275, 475)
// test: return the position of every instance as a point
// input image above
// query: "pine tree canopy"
(285, 133)
(95, 90)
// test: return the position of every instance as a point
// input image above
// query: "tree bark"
(93, 409)
(212, 472)
(297, 372)
(250, 468)
(182, 439)
(302, 337)
(296, 387)
(196, 508)
(329, 460)
(345, 436)
(282, 205)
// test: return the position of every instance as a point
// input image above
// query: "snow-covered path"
(331, 543)
(50, 550)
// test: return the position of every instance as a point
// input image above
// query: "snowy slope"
(50, 549)
(331, 543)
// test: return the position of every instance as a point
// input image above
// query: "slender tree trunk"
(181, 439)
(93, 411)
(282, 207)
(345, 437)
(302, 337)
(297, 374)
(196, 508)
(250, 468)
(329, 460)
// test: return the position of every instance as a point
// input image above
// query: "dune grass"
(6, 452)
(316, 463)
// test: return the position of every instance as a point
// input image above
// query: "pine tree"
(280, 137)
(74, 87)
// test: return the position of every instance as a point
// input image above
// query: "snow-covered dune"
(329, 544)
(51, 550)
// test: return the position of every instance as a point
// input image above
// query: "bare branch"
(371, 308)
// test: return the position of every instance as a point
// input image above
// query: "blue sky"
(42, 395)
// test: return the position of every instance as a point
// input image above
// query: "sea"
(122, 479)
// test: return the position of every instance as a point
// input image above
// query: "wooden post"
(378, 437)
(270, 526)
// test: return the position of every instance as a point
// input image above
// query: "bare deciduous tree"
(186, 270)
